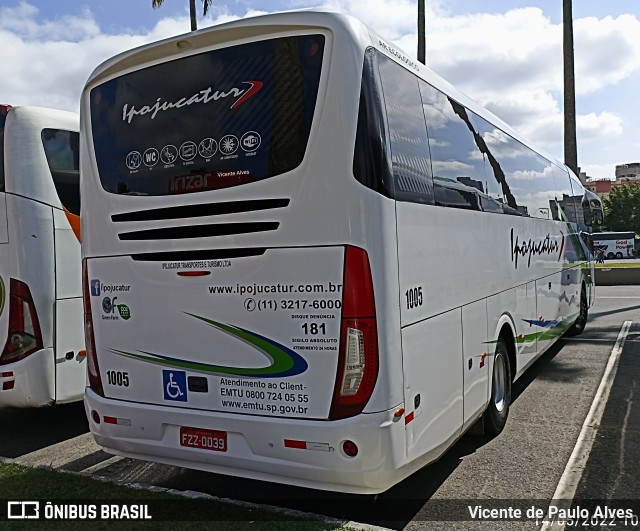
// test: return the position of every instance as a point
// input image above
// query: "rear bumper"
(29, 382)
(255, 445)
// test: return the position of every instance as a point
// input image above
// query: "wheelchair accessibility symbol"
(174, 385)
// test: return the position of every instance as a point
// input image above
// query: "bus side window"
(3, 119)
(62, 152)
(457, 163)
(407, 134)
(371, 162)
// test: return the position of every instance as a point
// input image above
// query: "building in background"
(624, 174)
(628, 172)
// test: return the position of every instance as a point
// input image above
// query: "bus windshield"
(217, 119)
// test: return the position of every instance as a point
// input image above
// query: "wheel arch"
(505, 330)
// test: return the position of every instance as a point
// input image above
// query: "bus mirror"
(597, 218)
(592, 208)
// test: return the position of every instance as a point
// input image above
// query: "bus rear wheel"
(495, 417)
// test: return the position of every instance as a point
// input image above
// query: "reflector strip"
(114, 420)
(8, 385)
(193, 273)
(408, 418)
(8, 374)
(484, 355)
(289, 443)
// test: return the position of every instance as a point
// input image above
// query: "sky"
(505, 54)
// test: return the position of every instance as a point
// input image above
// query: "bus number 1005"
(414, 297)
(118, 378)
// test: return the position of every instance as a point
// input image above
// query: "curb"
(617, 276)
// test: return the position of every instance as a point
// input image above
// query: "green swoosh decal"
(548, 333)
(283, 361)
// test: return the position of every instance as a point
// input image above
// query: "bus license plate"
(202, 438)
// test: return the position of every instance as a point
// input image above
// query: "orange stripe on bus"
(74, 221)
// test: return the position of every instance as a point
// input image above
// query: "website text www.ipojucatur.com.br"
(257, 289)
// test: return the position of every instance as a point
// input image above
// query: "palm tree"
(570, 143)
(206, 4)
(421, 33)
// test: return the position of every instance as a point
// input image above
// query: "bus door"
(69, 337)
(4, 231)
(61, 150)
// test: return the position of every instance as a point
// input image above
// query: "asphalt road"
(519, 469)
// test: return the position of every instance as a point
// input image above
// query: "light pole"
(570, 143)
(421, 33)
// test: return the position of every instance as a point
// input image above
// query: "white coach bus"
(43, 356)
(308, 259)
(614, 244)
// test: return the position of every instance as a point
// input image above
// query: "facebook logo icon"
(95, 288)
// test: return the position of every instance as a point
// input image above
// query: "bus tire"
(495, 417)
(578, 326)
(618, 255)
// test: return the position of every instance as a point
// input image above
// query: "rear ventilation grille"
(200, 231)
(202, 210)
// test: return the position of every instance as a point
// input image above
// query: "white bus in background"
(308, 259)
(42, 337)
(614, 244)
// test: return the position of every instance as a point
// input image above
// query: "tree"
(421, 33)
(206, 4)
(570, 143)
(622, 208)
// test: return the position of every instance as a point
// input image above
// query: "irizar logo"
(204, 96)
(283, 361)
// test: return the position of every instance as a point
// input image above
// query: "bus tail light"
(93, 371)
(358, 355)
(24, 336)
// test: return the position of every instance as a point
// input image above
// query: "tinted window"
(3, 119)
(523, 180)
(370, 157)
(61, 150)
(456, 158)
(213, 120)
(407, 133)
(565, 202)
(576, 200)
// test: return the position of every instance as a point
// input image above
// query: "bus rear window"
(213, 120)
(61, 150)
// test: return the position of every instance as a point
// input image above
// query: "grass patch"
(24, 483)
(617, 265)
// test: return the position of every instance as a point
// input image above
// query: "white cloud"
(607, 51)
(21, 21)
(604, 125)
